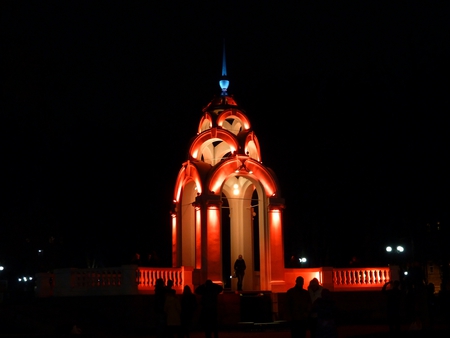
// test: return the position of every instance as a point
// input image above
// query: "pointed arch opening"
(243, 230)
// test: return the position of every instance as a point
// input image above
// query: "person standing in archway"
(239, 268)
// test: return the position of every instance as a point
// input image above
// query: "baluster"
(371, 277)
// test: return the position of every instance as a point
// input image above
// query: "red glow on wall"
(213, 216)
(198, 239)
(174, 240)
(214, 242)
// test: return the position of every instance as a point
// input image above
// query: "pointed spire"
(224, 83)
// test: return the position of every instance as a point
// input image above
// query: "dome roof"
(221, 103)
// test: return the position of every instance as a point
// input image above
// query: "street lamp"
(398, 249)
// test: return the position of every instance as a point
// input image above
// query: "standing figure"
(326, 316)
(315, 292)
(160, 316)
(209, 312)
(172, 310)
(239, 268)
(394, 299)
(188, 307)
(299, 308)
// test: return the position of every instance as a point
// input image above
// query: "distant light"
(389, 249)
(406, 273)
(400, 248)
(24, 279)
(19, 279)
(302, 260)
(1, 268)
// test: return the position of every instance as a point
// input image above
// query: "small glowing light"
(235, 186)
(39, 250)
(19, 279)
(25, 279)
(236, 191)
(400, 248)
(406, 273)
(302, 260)
(236, 171)
(389, 249)
(250, 172)
(30, 278)
(1, 268)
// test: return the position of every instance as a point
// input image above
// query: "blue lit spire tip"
(224, 83)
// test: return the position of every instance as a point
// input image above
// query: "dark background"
(100, 101)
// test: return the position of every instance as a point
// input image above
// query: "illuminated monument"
(226, 202)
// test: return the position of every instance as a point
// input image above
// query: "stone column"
(276, 258)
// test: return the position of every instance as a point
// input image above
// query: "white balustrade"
(131, 279)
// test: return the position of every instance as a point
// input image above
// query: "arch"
(206, 122)
(235, 114)
(186, 173)
(249, 168)
(209, 136)
(252, 148)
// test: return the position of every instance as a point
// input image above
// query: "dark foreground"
(361, 315)
(343, 331)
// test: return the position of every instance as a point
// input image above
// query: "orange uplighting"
(276, 217)
(198, 239)
(174, 239)
(226, 114)
(213, 133)
(213, 215)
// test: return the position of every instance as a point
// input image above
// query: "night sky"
(99, 103)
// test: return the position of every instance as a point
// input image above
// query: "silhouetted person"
(418, 307)
(160, 299)
(432, 305)
(326, 316)
(239, 268)
(394, 300)
(188, 307)
(172, 310)
(169, 286)
(209, 312)
(299, 308)
(315, 292)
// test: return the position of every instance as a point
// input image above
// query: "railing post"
(44, 284)
(64, 282)
(327, 278)
(129, 284)
(187, 273)
(394, 272)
